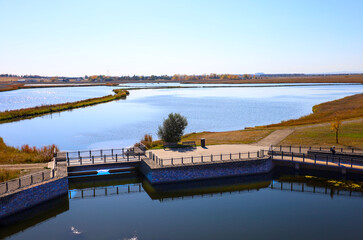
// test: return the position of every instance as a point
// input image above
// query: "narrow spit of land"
(25, 113)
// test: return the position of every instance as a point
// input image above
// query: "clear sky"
(144, 37)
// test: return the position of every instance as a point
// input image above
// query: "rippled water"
(122, 123)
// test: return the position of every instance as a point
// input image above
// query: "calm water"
(237, 208)
(122, 123)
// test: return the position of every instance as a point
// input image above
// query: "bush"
(173, 128)
(147, 141)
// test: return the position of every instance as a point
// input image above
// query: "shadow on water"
(33, 216)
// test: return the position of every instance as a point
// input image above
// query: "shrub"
(173, 128)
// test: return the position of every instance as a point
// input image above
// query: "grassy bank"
(6, 175)
(26, 154)
(15, 115)
(350, 135)
(344, 108)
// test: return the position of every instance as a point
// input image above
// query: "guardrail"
(301, 149)
(25, 181)
(190, 160)
(318, 159)
(101, 159)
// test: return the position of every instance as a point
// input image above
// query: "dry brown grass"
(230, 137)
(9, 79)
(344, 108)
(8, 174)
(350, 135)
(26, 154)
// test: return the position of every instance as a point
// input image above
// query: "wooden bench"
(190, 143)
(170, 145)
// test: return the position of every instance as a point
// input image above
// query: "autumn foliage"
(26, 154)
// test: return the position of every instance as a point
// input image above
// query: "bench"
(170, 145)
(190, 143)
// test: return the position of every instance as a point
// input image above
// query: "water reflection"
(33, 216)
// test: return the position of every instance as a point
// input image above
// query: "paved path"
(275, 137)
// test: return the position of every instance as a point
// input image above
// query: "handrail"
(190, 160)
(25, 181)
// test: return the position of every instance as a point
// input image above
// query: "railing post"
(139, 156)
(80, 160)
(104, 158)
(192, 159)
(112, 152)
(248, 155)
(128, 157)
(239, 155)
(42, 176)
(272, 154)
(90, 154)
(258, 154)
(31, 179)
(172, 162)
(182, 160)
(101, 153)
(292, 156)
(320, 149)
(282, 155)
(93, 159)
(211, 157)
(303, 157)
(53, 173)
(116, 157)
(299, 149)
(67, 161)
(230, 156)
(221, 157)
(162, 162)
(6, 187)
(79, 154)
(280, 148)
(315, 159)
(352, 150)
(351, 163)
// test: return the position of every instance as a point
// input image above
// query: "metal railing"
(190, 160)
(25, 181)
(305, 149)
(102, 156)
(111, 158)
(318, 159)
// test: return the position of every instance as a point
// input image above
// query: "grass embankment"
(350, 135)
(344, 108)
(26, 154)
(230, 137)
(215, 138)
(6, 175)
(10, 87)
(14, 115)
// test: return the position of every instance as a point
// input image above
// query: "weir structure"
(18, 195)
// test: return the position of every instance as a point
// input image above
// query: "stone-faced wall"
(33, 195)
(168, 174)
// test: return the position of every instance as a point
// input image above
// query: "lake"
(122, 123)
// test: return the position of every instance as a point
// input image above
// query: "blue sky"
(76, 37)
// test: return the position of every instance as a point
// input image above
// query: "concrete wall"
(33, 195)
(205, 171)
